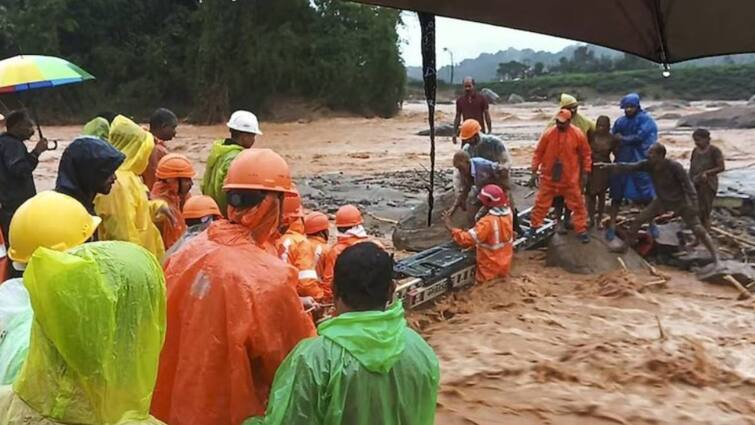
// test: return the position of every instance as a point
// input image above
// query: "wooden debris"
(743, 292)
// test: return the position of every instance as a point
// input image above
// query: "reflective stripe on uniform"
(307, 274)
(286, 246)
(318, 254)
(497, 244)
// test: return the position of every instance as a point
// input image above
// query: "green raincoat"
(364, 368)
(222, 154)
(98, 127)
(99, 324)
(15, 326)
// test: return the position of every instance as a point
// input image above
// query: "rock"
(490, 95)
(751, 102)
(570, 254)
(718, 105)
(744, 273)
(442, 130)
(731, 117)
(515, 98)
(599, 102)
(664, 106)
(670, 116)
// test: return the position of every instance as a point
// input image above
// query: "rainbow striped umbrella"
(29, 72)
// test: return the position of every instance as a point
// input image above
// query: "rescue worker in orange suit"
(492, 235)
(233, 312)
(317, 228)
(350, 232)
(199, 211)
(564, 161)
(174, 173)
(295, 249)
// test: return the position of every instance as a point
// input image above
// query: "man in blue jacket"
(637, 132)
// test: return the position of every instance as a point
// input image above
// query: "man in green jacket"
(244, 128)
(367, 366)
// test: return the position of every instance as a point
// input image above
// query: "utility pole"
(450, 53)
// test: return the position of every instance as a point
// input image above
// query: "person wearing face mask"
(244, 128)
(174, 173)
(233, 310)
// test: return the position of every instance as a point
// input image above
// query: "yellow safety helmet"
(51, 220)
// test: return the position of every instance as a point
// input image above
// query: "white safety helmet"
(244, 121)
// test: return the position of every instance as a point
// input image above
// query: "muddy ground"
(544, 347)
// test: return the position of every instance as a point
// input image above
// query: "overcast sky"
(468, 39)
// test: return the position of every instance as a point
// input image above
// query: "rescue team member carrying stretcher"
(233, 311)
(674, 192)
(563, 159)
(492, 235)
(295, 249)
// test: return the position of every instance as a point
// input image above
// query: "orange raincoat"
(493, 236)
(321, 248)
(233, 316)
(570, 147)
(295, 249)
(167, 190)
(329, 262)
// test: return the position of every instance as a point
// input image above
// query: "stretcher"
(428, 274)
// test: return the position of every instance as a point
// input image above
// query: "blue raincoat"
(638, 133)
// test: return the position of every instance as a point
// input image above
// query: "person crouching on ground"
(492, 235)
(367, 366)
(174, 173)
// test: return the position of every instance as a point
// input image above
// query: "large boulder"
(751, 102)
(731, 117)
(442, 130)
(668, 105)
(515, 98)
(490, 95)
(570, 254)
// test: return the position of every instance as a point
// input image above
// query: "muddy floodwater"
(545, 346)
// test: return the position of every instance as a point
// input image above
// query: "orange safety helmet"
(173, 166)
(469, 129)
(348, 216)
(292, 205)
(259, 169)
(201, 206)
(315, 222)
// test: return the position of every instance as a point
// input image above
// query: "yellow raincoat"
(127, 213)
(99, 325)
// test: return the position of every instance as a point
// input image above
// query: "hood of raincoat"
(98, 127)
(567, 100)
(99, 324)
(632, 99)
(375, 338)
(84, 166)
(262, 220)
(218, 163)
(135, 142)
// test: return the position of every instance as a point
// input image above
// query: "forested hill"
(206, 58)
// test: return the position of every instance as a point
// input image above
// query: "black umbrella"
(663, 31)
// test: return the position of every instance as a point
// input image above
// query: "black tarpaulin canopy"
(663, 31)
